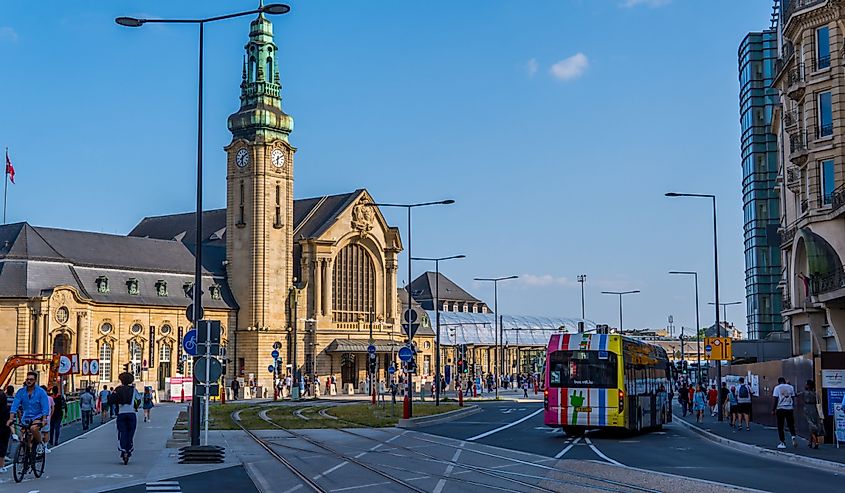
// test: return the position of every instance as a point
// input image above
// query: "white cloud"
(543, 280)
(531, 66)
(570, 68)
(8, 34)
(647, 3)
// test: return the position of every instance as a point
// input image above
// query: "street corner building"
(317, 275)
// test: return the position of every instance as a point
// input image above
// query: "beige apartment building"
(810, 78)
(316, 275)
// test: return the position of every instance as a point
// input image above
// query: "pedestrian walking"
(525, 388)
(811, 412)
(87, 403)
(732, 403)
(783, 408)
(126, 399)
(103, 403)
(112, 408)
(683, 398)
(723, 398)
(236, 387)
(59, 408)
(691, 396)
(147, 403)
(713, 399)
(45, 430)
(699, 404)
(743, 406)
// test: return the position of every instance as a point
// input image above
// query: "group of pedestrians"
(736, 402)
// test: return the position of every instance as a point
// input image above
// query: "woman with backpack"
(127, 400)
(699, 404)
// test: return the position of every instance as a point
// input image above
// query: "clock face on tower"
(242, 158)
(278, 158)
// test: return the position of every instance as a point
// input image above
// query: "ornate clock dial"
(278, 158)
(242, 158)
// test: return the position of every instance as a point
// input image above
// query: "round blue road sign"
(271, 369)
(274, 354)
(189, 342)
(405, 353)
(391, 370)
(371, 349)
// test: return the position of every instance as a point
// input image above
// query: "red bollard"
(406, 407)
(460, 397)
(275, 393)
(183, 394)
(474, 390)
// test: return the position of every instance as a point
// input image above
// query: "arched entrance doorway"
(348, 370)
(61, 344)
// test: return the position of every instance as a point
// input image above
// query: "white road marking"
(449, 469)
(568, 447)
(505, 427)
(600, 454)
(258, 479)
(348, 488)
(335, 468)
(291, 490)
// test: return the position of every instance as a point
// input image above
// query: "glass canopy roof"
(524, 330)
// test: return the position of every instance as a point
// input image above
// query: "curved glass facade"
(760, 198)
(479, 328)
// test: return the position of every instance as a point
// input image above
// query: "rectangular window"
(825, 114)
(827, 181)
(823, 47)
(595, 369)
(241, 204)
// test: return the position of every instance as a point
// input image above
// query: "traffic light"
(686, 366)
(466, 367)
(372, 364)
(460, 365)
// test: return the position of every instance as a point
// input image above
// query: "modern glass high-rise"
(757, 101)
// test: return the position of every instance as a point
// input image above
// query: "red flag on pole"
(10, 170)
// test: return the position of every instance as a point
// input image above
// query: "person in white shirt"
(784, 409)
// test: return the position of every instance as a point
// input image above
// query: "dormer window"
(102, 284)
(132, 286)
(215, 291)
(188, 288)
(161, 287)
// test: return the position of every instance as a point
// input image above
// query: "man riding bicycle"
(33, 407)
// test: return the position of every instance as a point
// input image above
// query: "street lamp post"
(725, 308)
(410, 299)
(715, 278)
(436, 261)
(697, 323)
(582, 278)
(275, 8)
(620, 294)
(495, 281)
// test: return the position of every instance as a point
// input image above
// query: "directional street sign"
(410, 329)
(410, 316)
(215, 369)
(718, 348)
(391, 370)
(274, 354)
(371, 349)
(405, 353)
(189, 342)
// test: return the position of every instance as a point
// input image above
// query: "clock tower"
(259, 202)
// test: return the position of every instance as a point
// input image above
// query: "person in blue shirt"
(32, 403)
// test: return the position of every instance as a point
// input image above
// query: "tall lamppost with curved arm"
(620, 294)
(273, 8)
(697, 322)
(498, 363)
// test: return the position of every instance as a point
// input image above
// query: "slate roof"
(423, 289)
(33, 260)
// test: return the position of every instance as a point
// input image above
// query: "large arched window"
(105, 362)
(354, 285)
(61, 344)
(135, 356)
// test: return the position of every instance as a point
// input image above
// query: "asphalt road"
(674, 450)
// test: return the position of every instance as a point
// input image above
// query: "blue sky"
(557, 126)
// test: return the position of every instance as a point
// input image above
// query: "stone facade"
(809, 76)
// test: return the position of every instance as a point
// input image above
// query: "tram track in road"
(604, 484)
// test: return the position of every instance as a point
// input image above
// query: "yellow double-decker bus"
(605, 381)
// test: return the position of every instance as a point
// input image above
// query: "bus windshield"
(596, 369)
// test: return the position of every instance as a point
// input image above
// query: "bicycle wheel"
(38, 459)
(19, 466)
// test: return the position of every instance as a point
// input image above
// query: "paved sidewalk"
(763, 439)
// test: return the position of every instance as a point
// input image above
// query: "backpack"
(743, 392)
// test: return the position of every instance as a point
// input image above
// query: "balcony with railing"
(793, 179)
(795, 85)
(786, 301)
(796, 6)
(788, 234)
(828, 282)
(837, 198)
(790, 118)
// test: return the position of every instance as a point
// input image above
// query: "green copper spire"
(261, 112)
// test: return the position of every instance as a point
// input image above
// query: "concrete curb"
(768, 453)
(438, 418)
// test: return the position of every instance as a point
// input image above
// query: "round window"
(136, 328)
(62, 315)
(106, 328)
(166, 329)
